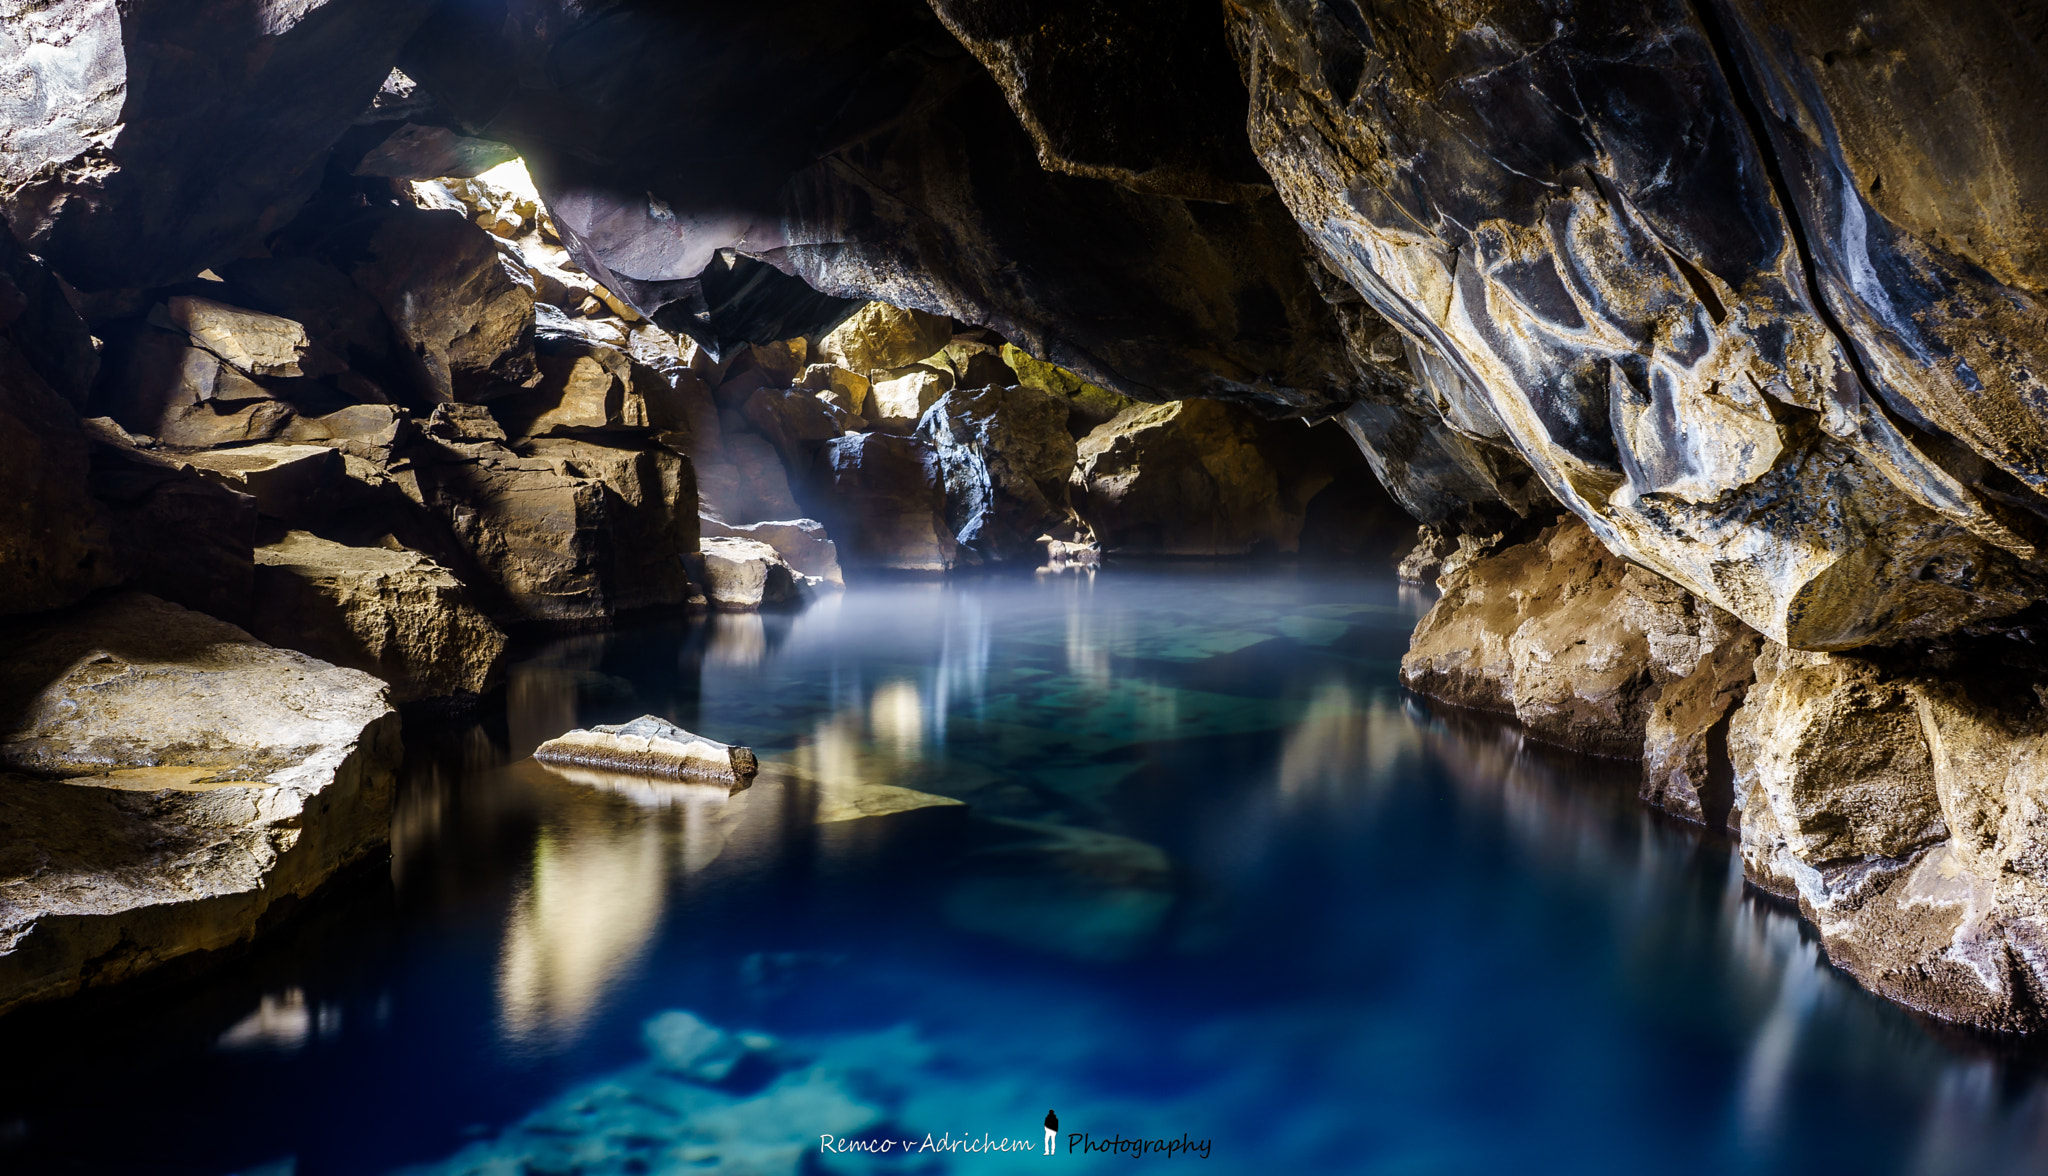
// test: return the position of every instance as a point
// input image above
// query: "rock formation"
(165, 781)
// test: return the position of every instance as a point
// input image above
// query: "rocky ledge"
(167, 782)
(1895, 795)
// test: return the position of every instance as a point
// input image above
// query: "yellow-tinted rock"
(880, 337)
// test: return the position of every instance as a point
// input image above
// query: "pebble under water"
(1219, 882)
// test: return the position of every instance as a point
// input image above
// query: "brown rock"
(53, 545)
(287, 481)
(801, 543)
(882, 497)
(736, 573)
(385, 611)
(1187, 478)
(880, 337)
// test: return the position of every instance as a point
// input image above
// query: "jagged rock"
(1090, 404)
(340, 320)
(156, 384)
(1636, 321)
(167, 780)
(837, 386)
(386, 611)
(1187, 478)
(565, 530)
(141, 144)
(464, 310)
(651, 746)
(256, 344)
(1581, 648)
(1902, 808)
(741, 573)
(287, 481)
(900, 398)
(39, 321)
(796, 423)
(880, 337)
(464, 422)
(881, 495)
(802, 544)
(1004, 459)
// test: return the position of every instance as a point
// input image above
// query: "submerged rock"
(653, 747)
(166, 780)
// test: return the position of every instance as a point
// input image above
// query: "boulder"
(796, 423)
(802, 544)
(1580, 647)
(1901, 804)
(464, 310)
(168, 781)
(385, 611)
(883, 498)
(651, 746)
(173, 532)
(842, 388)
(901, 397)
(565, 530)
(736, 573)
(879, 337)
(1090, 404)
(157, 384)
(254, 343)
(742, 480)
(1186, 478)
(1004, 458)
(287, 481)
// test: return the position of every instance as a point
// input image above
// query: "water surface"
(1216, 879)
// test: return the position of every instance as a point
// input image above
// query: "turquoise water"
(1217, 882)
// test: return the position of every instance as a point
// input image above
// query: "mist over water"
(1217, 878)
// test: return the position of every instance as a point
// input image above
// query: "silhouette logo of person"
(1052, 1129)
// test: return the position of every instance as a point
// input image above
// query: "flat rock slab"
(649, 746)
(166, 779)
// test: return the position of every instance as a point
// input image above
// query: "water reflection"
(1213, 872)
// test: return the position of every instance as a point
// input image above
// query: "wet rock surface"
(168, 780)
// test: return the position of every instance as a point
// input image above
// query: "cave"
(625, 586)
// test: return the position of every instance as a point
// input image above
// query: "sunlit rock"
(741, 573)
(881, 337)
(1901, 806)
(801, 543)
(169, 779)
(650, 746)
(257, 344)
(900, 398)
(392, 613)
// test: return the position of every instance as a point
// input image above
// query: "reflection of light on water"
(282, 1021)
(1087, 651)
(1340, 744)
(581, 921)
(736, 640)
(896, 715)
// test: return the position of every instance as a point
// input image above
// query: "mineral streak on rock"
(650, 746)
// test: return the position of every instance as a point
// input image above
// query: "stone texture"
(1578, 646)
(1637, 320)
(801, 543)
(254, 343)
(141, 143)
(173, 532)
(651, 746)
(1004, 457)
(880, 337)
(168, 781)
(901, 398)
(1181, 479)
(564, 530)
(882, 496)
(53, 542)
(737, 573)
(287, 481)
(1900, 805)
(389, 612)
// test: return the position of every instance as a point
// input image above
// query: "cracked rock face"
(1611, 244)
(167, 780)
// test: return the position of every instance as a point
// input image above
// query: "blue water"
(1217, 880)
